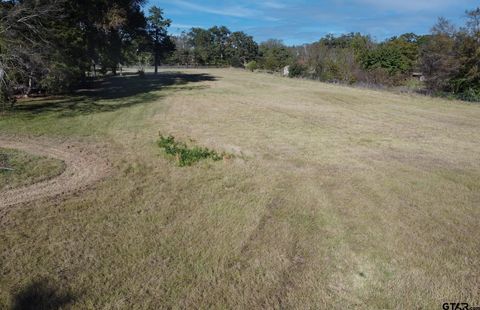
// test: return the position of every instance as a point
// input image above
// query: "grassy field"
(26, 168)
(335, 198)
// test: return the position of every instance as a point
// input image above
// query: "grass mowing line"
(187, 156)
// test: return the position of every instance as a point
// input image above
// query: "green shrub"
(388, 57)
(184, 155)
(6, 98)
(470, 94)
(252, 65)
(4, 162)
(61, 78)
(236, 62)
(414, 84)
(297, 70)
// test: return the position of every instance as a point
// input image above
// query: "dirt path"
(84, 166)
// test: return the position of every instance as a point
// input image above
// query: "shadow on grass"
(41, 295)
(113, 93)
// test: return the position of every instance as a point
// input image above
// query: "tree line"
(56, 45)
(446, 61)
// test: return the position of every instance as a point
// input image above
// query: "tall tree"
(469, 79)
(202, 42)
(274, 55)
(183, 50)
(157, 27)
(220, 36)
(242, 48)
(25, 41)
(440, 61)
(52, 44)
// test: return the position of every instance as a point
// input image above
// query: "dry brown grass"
(337, 198)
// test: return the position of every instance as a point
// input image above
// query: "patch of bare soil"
(84, 163)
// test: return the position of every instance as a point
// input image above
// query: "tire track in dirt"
(83, 166)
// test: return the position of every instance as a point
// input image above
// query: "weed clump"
(186, 156)
(4, 163)
(252, 65)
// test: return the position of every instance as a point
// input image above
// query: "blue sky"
(304, 21)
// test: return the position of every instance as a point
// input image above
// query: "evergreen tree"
(157, 28)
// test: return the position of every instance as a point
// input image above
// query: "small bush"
(297, 70)
(6, 98)
(61, 78)
(186, 156)
(4, 162)
(470, 94)
(236, 62)
(414, 84)
(252, 65)
(381, 76)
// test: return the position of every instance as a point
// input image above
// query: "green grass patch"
(185, 155)
(20, 169)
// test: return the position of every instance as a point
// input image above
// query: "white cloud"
(413, 5)
(235, 11)
(273, 4)
(182, 26)
(272, 19)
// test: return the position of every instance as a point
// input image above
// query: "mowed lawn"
(336, 198)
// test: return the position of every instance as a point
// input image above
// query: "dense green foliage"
(274, 55)
(397, 55)
(216, 46)
(451, 58)
(355, 58)
(252, 65)
(55, 45)
(297, 70)
(185, 155)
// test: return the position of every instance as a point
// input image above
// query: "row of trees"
(216, 46)
(354, 58)
(55, 44)
(447, 59)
